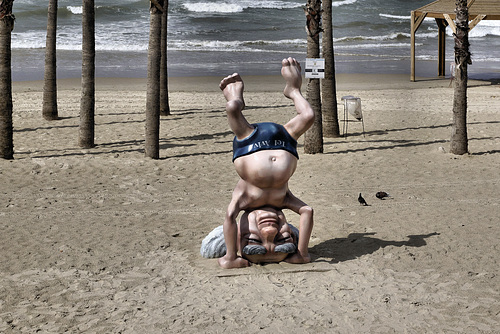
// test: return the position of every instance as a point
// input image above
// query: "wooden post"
(416, 21)
(476, 20)
(441, 46)
(412, 43)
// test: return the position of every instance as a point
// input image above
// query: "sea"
(219, 37)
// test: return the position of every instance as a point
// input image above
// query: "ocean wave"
(343, 2)
(103, 43)
(479, 31)
(237, 6)
(78, 47)
(427, 57)
(405, 18)
(393, 36)
(71, 41)
(371, 56)
(106, 40)
(398, 17)
(77, 10)
(482, 29)
(106, 10)
(30, 13)
(28, 40)
(431, 34)
(280, 42)
(28, 2)
(485, 28)
(484, 58)
(234, 46)
(449, 59)
(207, 7)
(372, 46)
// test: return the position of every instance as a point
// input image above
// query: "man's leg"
(291, 72)
(232, 88)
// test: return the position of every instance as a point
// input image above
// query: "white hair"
(214, 246)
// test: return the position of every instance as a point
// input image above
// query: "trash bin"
(353, 106)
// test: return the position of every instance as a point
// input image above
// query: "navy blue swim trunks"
(265, 136)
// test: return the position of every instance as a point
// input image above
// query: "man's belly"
(266, 168)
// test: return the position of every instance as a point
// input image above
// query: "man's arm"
(306, 223)
(231, 259)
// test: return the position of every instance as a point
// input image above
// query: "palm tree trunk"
(87, 103)
(459, 143)
(6, 128)
(152, 148)
(164, 105)
(49, 108)
(328, 86)
(313, 138)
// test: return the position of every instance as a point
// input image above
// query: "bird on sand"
(361, 200)
(382, 195)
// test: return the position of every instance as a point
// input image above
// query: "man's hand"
(298, 258)
(228, 263)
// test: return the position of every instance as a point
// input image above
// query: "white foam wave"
(404, 17)
(398, 17)
(393, 36)
(208, 7)
(280, 42)
(207, 45)
(427, 34)
(236, 6)
(483, 29)
(342, 3)
(28, 40)
(372, 46)
(71, 41)
(232, 46)
(489, 23)
(475, 58)
(27, 2)
(77, 10)
(484, 58)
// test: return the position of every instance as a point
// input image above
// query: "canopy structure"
(443, 11)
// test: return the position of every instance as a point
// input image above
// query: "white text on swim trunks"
(267, 143)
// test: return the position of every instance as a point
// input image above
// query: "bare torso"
(264, 177)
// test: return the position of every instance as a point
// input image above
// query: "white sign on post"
(315, 68)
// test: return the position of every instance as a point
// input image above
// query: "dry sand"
(105, 240)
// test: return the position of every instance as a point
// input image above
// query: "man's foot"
(232, 88)
(291, 72)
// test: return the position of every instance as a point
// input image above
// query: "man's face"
(265, 236)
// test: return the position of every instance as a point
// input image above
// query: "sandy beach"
(105, 240)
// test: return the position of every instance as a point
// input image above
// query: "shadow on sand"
(359, 244)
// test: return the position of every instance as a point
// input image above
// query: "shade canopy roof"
(437, 9)
(444, 13)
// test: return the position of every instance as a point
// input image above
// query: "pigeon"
(382, 195)
(361, 200)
